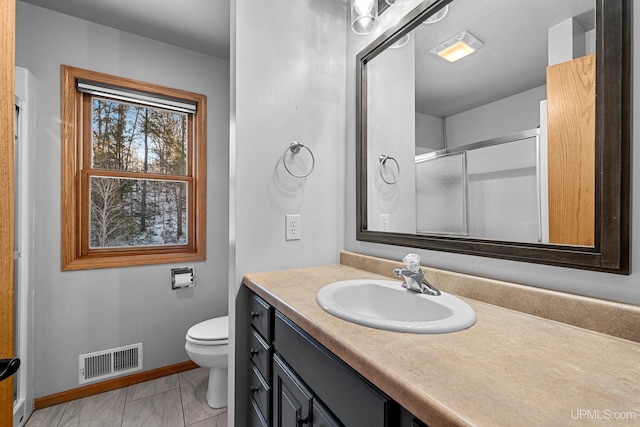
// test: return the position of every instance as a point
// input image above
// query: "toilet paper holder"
(183, 277)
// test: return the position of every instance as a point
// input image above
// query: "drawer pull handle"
(254, 352)
(301, 421)
(254, 314)
(254, 389)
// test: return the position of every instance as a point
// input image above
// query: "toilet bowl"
(208, 346)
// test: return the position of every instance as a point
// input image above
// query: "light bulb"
(401, 41)
(364, 16)
(364, 7)
(396, 2)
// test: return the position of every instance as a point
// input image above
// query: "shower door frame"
(25, 84)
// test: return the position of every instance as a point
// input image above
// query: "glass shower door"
(441, 194)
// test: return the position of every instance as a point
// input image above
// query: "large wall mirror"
(499, 128)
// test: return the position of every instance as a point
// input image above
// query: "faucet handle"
(412, 261)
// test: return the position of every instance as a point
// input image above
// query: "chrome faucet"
(414, 276)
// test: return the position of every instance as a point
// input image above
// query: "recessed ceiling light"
(457, 47)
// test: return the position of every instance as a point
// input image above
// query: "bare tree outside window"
(133, 172)
(117, 212)
(134, 138)
(137, 212)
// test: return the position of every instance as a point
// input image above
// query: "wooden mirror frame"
(611, 251)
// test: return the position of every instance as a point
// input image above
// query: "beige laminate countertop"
(509, 369)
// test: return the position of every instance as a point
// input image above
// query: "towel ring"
(383, 159)
(295, 148)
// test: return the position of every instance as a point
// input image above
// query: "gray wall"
(429, 135)
(85, 311)
(288, 83)
(601, 285)
(509, 115)
(499, 118)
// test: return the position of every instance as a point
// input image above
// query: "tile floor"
(177, 400)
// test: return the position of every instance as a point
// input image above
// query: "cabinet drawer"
(260, 391)
(256, 419)
(352, 399)
(260, 316)
(260, 354)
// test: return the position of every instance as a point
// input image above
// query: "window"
(133, 172)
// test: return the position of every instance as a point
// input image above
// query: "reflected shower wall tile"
(47, 417)
(193, 386)
(149, 388)
(162, 409)
(100, 410)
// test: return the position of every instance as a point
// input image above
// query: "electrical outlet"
(293, 227)
(384, 222)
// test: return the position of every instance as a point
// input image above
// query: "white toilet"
(208, 346)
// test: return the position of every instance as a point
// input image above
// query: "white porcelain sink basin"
(384, 304)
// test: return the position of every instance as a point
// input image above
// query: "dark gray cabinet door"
(291, 400)
(322, 417)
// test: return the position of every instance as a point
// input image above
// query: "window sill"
(94, 262)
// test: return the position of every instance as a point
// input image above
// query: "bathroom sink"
(384, 304)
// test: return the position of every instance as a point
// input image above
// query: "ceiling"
(199, 25)
(443, 89)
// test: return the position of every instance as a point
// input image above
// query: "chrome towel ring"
(383, 160)
(295, 147)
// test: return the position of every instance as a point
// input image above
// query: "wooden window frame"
(75, 174)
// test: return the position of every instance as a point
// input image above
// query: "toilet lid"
(210, 330)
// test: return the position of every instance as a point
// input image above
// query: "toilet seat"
(210, 332)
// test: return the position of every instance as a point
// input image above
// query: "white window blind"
(137, 97)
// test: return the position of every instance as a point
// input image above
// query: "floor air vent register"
(104, 364)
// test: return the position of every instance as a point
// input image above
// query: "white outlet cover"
(293, 227)
(384, 222)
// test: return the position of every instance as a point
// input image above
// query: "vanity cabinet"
(284, 377)
(293, 403)
(259, 337)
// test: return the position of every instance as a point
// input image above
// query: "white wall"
(84, 311)
(601, 285)
(288, 83)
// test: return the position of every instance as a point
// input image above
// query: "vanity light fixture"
(401, 41)
(457, 47)
(364, 16)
